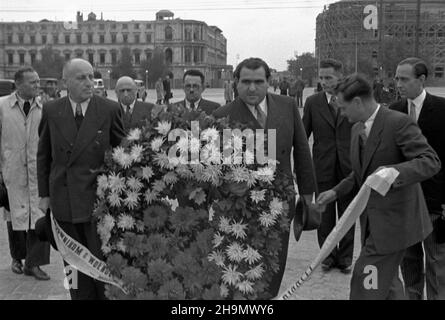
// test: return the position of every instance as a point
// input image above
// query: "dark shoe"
(345, 269)
(327, 265)
(17, 266)
(38, 273)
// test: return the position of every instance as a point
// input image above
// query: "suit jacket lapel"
(323, 108)
(373, 140)
(242, 114)
(66, 123)
(274, 115)
(355, 152)
(136, 114)
(427, 108)
(88, 130)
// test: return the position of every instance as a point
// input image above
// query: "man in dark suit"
(429, 113)
(260, 110)
(135, 112)
(392, 223)
(330, 151)
(75, 131)
(193, 88)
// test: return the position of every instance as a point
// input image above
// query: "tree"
(304, 65)
(124, 67)
(50, 65)
(156, 66)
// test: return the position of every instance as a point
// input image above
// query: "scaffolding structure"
(404, 28)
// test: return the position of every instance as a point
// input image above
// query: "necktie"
(333, 106)
(412, 111)
(192, 105)
(79, 116)
(26, 107)
(128, 112)
(362, 141)
(260, 116)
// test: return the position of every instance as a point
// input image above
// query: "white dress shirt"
(369, 123)
(83, 104)
(418, 102)
(262, 105)
(187, 104)
(124, 107)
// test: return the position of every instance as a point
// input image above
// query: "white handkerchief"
(382, 180)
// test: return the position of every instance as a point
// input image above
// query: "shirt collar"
(418, 101)
(131, 106)
(187, 103)
(370, 120)
(83, 104)
(20, 101)
(262, 105)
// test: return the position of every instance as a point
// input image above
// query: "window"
(188, 55)
(101, 26)
(22, 58)
(9, 38)
(43, 26)
(33, 58)
(149, 38)
(10, 58)
(113, 38)
(79, 54)
(67, 56)
(125, 38)
(55, 39)
(90, 38)
(375, 54)
(113, 26)
(149, 55)
(188, 34)
(125, 26)
(101, 38)
(136, 38)
(9, 27)
(196, 34)
(148, 25)
(168, 33)
(113, 58)
(91, 58)
(439, 72)
(21, 38)
(196, 55)
(136, 26)
(102, 58)
(32, 39)
(137, 58)
(78, 38)
(44, 40)
(168, 56)
(67, 38)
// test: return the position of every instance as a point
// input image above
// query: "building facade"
(186, 44)
(340, 33)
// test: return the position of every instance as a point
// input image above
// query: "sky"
(274, 30)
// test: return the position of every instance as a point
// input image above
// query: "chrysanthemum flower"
(217, 257)
(257, 195)
(131, 201)
(126, 222)
(245, 286)
(210, 134)
(134, 134)
(184, 172)
(114, 199)
(265, 174)
(108, 222)
(103, 232)
(195, 145)
(150, 196)
(102, 182)
(249, 157)
(231, 276)
(239, 230)
(156, 144)
(267, 220)
(210, 154)
(164, 127)
(162, 160)
(147, 173)
(116, 182)
(121, 246)
(136, 153)
(183, 144)
(235, 252)
(251, 255)
(122, 158)
(134, 184)
(170, 178)
(224, 225)
(239, 174)
(140, 226)
(106, 249)
(224, 291)
(212, 174)
(158, 185)
(276, 207)
(255, 273)
(217, 240)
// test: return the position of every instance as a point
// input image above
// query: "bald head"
(78, 77)
(126, 90)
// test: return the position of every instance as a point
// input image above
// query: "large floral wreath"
(220, 242)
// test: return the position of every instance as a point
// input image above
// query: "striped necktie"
(260, 116)
(79, 116)
(412, 111)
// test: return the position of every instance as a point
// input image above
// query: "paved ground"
(332, 285)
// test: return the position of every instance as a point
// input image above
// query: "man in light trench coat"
(20, 115)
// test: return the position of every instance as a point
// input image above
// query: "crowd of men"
(48, 154)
